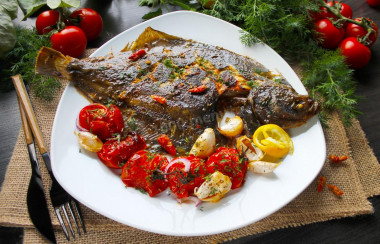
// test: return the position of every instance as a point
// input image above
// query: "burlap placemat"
(361, 169)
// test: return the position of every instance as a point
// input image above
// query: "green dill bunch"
(21, 60)
(284, 25)
(331, 82)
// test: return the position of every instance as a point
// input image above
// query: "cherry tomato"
(100, 120)
(115, 154)
(166, 143)
(184, 174)
(70, 41)
(144, 171)
(357, 55)
(329, 34)
(45, 20)
(89, 21)
(344, 10)
(355, 30)
(373, 3)
(228, 162)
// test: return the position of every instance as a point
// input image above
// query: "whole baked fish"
(179, 87)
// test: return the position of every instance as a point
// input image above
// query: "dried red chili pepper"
(166, 143)
(321, 183)
(336, 159)
(159, 99)
(137, 55)
(335, 190)
(198, 89)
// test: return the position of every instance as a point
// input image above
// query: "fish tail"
(149, 36)
(50, 62)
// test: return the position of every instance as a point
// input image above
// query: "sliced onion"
(193, 199)
(79, 127)
(185, 161)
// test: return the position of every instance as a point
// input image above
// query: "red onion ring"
(185, 161)
(193, 199)
(79, 127)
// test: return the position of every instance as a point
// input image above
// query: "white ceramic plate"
(99, 188)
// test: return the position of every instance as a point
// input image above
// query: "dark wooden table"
(121, 15)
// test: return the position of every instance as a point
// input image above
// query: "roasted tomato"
(101, 120)
(144, 171)
(115, 153)
(184, 174)
(228, 162)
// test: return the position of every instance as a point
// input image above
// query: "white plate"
(99, 188)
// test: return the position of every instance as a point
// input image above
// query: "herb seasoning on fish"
(196, 81)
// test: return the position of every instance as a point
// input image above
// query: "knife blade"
(36, 200)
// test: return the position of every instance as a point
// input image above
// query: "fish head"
(280, 104)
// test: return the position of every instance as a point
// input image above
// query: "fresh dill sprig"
(21, 60)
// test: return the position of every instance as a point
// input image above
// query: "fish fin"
(149, 36)
(50, 62)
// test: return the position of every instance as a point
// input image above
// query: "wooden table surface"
(121, 15)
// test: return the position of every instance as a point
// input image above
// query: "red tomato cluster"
(72, 32)
(333, 32)
(149, 172)
(101, 120)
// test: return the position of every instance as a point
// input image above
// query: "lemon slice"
(273, 140)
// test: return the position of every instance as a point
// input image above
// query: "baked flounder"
(180, 87)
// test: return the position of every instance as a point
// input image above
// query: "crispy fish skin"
(172, 67)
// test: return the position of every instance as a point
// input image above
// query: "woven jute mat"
(358, 177)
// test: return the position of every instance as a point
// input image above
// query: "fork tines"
(71, 213)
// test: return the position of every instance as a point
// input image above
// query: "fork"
(60, 199)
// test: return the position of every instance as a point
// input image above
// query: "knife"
(36, 201)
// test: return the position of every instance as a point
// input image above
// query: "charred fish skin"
(275, 103)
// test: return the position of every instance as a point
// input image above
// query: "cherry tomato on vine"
(89, 21)
(357, 55)
(355, 30)
(143, 171)
(101, 120)
(184, 174)
(45, 20)
(373, 3)
(115, 153)
(344, 10)
(70, 41)
(330, 36)
(228, 162)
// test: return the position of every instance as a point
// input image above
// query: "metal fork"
(60, 199)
